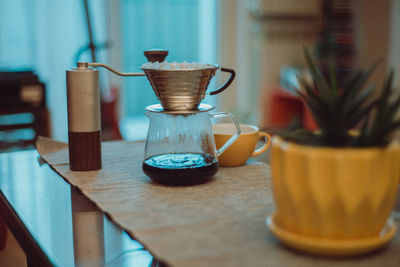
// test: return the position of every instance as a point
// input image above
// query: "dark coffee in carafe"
(180, 168)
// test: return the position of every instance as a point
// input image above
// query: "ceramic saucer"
(331, 247)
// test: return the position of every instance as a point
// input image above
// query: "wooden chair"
(22, 129)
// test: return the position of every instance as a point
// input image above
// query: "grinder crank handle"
(152, 55)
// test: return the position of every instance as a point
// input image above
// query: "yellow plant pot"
(334, 193)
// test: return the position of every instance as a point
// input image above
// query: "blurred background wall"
(262, 39)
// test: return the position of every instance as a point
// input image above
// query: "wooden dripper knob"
(154, 55)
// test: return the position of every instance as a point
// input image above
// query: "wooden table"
(56, 225)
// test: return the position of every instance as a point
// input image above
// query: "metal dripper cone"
(180, 89)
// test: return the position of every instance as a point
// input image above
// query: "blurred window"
(46, 36)
(186, 28)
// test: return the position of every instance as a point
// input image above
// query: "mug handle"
(230, 80)
(233, 137)
(264, 146)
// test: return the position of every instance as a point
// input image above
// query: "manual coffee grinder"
(84, 121)
(180, 147)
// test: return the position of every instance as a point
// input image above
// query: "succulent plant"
(339, 111)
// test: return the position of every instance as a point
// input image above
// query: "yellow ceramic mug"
(243, 148)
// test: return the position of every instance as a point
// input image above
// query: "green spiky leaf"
(337, 111)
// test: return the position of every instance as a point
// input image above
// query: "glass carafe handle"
(234, 137)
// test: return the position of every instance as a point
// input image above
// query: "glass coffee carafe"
(180, 147)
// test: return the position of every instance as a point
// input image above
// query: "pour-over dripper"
(182, 86)
(177, 89)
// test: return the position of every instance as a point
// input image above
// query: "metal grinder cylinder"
(84, 119)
